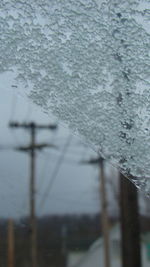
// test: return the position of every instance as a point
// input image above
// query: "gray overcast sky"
(76, 186)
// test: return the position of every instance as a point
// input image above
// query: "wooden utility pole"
(10, 243)
(130, 229)
(31, 149)
(32, 200)
(104, 214)
(64, 244)
(105, 221)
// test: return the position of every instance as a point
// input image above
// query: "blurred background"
(70, 203)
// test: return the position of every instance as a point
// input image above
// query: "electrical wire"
(56, 171)
(28, 112)
(74, 156)
(12, 114)
(13, 109)
(43, 171)
(69, 161)
(44, 167)
(13, 106)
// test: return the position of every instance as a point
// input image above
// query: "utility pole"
(10, 243)
(130, 229)
(64, 244)
(64, 239)
(32, 127)
(104, 213)
(105, 221)
(32, 200)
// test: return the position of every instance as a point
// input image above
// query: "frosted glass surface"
(88, 62)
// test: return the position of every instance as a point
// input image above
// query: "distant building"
(74, 258)
(94, 256)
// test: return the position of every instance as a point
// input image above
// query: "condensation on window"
(88, 62)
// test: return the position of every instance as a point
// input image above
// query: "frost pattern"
(89, 62)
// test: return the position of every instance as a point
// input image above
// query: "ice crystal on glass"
(89, 62)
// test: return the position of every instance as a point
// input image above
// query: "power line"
(31, 148)
(13, 106)
(70, 156)
(43, 171)
(69, 161)
(28, 112)
(12, 114)
(56, 170)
